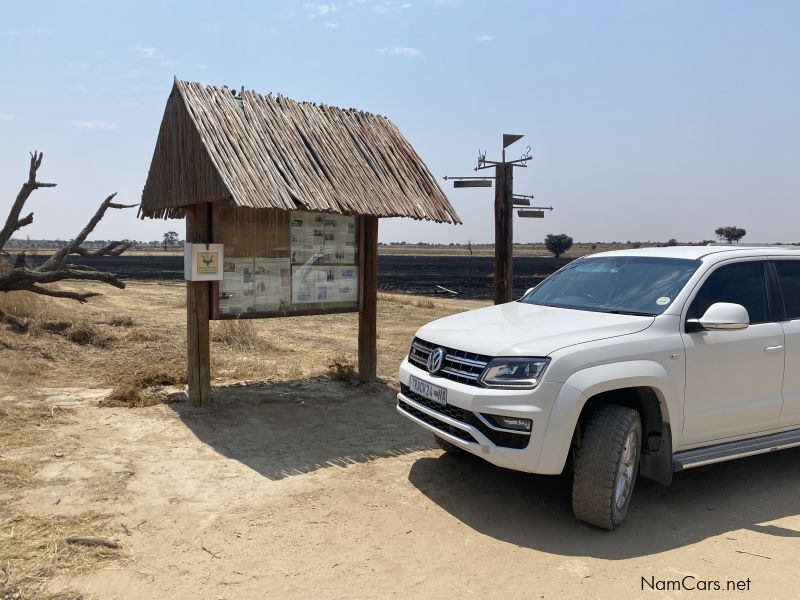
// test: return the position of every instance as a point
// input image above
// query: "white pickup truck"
(638, 362)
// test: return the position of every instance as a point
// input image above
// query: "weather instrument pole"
(503, 233)
(505, 202)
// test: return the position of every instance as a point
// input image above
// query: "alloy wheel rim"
(624, 479)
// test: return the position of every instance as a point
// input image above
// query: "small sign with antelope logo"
(209, 263)
(203, 262)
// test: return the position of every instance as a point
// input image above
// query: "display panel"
(281, 263)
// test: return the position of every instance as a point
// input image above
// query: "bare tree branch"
(24, 221)
(14, 222)
(112, 249)
(22, 279)
(79, 296)
(55, 269)
(59, 259)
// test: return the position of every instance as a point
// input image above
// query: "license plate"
(428, 390)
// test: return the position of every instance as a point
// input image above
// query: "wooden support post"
(368, 300)
(503, 233)
(198, 295)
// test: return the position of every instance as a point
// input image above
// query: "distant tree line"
(556, 244)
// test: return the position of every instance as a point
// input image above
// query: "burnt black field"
(469, 276)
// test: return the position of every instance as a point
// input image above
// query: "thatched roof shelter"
(272, 152)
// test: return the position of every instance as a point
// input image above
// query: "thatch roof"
(272, 152)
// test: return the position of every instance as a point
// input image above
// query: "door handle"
(773, 349)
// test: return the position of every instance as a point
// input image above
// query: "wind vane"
(505, 202)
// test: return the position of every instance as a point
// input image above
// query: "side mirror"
(720, 316)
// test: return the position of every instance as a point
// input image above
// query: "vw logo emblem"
(436, 360)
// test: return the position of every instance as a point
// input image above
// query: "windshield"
(635, 285)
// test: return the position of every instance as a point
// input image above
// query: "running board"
(721, 452)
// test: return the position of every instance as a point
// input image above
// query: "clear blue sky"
(648, 120)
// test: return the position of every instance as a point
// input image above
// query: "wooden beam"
(368, 300)
(198, 295)
(503, 233)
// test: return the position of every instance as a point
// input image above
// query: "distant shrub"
(558, 244)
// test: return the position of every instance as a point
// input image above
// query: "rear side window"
(740, 283)
(789, 276)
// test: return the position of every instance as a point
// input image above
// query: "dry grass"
(136, 338)
(25, 306)
(238, 335)
(85, 333)
(138, 335)
(19, 369)
(33, 550)
(121, 321)
(15, 474)
(36, 316)
(148, 363)
(130, 396)
(150, 371)
(250, 349)
(24, 426)
(146, 358)
(27, 425)
(342, 368)
(406, 300)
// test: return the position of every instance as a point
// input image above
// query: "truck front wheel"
(606, 465)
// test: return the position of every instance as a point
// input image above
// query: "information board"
(280, 263)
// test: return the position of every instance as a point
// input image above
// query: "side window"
(740, 283)
(789, 276)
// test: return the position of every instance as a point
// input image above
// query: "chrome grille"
(464, 367)
(501, 438)
(447, 409)
(437, 423)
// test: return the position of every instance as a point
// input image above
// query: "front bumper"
(460, 422)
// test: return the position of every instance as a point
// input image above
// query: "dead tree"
(33, 279)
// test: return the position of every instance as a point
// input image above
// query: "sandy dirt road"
(318, 489)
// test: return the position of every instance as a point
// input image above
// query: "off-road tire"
(597, 464)
(447, 446)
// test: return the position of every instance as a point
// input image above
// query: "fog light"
(514, 423)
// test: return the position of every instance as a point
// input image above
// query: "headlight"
(514, 423)
(514, 373)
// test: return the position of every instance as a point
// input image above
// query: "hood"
(518, 329)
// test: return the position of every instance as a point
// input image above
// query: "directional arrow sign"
(472, 183)
(521, 202)
(532, 214)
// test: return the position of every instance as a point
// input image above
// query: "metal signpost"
(505, 202)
